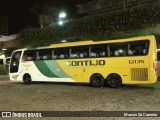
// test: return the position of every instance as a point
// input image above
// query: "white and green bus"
(110, 62)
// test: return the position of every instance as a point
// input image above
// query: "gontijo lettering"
(86, 63)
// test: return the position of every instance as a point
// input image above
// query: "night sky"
(20, 15)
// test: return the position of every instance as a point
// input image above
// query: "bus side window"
(138, 48)
(29, 58)
(44, 54)
(98, 50)
(130, 51)
(29, 55)
(79, 52)
(81, 55)
(117, 49)
(116, 53)
(24, 58)
(61, 53)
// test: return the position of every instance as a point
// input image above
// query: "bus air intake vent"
(139, 74)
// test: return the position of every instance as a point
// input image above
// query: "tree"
(45, 13)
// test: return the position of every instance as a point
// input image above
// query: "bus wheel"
(27, 79)
(97, 80)
(114, 80)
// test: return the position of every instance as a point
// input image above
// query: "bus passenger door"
(15, 65)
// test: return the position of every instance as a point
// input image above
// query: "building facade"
(3, 24)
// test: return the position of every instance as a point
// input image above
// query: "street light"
(62, 15)
(60, 22)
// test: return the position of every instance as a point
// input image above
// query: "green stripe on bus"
(51, 69)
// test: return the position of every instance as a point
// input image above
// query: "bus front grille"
(139, 74)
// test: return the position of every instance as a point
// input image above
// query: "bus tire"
(27, 79)
(97, 80)
(114, 80)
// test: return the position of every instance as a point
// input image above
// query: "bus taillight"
(155, 65)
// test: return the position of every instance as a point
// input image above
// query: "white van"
(4, 61)
(7, 60)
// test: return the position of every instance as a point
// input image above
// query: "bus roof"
(38, 48)
(21, 49)
(89, 42)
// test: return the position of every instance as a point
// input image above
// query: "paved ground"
(78, 97)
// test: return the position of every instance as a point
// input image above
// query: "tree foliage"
(44, 12)
(98, 27)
